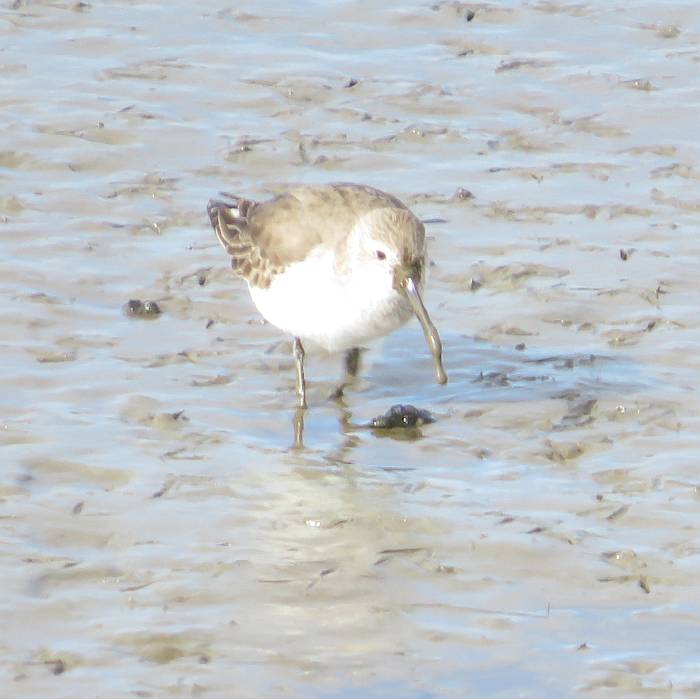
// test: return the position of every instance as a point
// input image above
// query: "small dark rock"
(135, 308)
(401, 416)
(462, 194)
(351, 83)
(58, 667)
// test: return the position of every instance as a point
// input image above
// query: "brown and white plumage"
(337, 265)
(262, 236)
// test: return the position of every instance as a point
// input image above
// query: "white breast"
(310, 301)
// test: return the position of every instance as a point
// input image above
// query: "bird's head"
(390, 245)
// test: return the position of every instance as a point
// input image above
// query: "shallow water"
(161, 538)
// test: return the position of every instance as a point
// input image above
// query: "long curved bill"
(429, 330)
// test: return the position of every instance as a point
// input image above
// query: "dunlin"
(335, 265)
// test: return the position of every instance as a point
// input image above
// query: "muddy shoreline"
(161, 536)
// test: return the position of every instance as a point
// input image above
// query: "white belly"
(310, 301)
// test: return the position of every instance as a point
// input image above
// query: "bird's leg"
(298, 352)
(351, 365)
(298, 423)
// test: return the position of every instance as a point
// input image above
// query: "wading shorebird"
(335, 265)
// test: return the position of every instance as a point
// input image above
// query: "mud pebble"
(58, 667)
(462, 194)
(401, 416)
(135, 308)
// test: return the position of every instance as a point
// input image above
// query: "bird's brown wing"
(230, 223)
(264, 238)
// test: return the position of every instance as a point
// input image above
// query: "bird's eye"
(381, 255)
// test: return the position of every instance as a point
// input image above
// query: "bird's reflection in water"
(298, 423)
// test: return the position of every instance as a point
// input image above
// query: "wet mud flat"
(161, 537)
